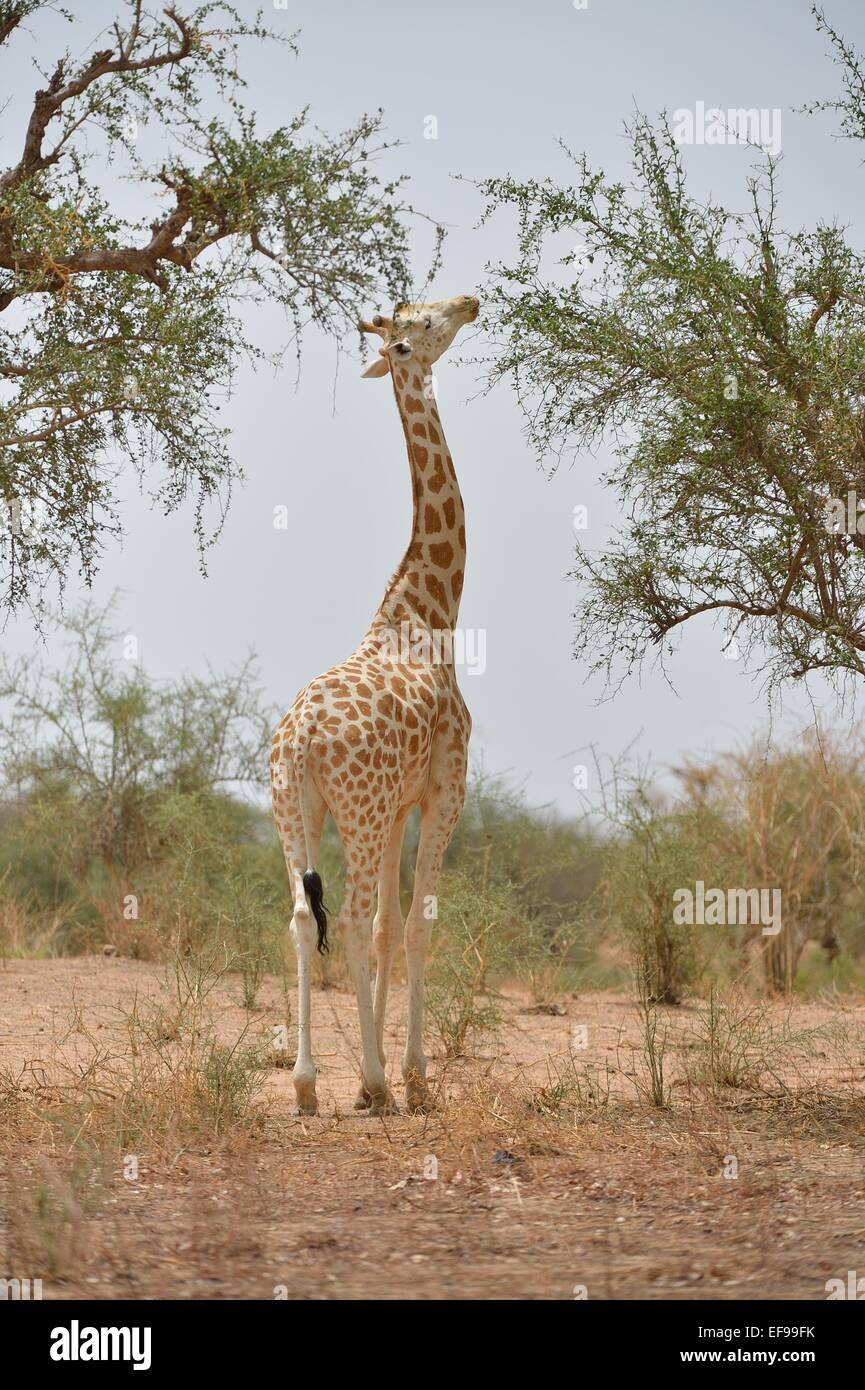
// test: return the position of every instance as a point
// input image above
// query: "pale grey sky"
(504, 81)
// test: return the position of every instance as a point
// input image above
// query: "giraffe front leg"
(355, 927)
(386, 935)
(418, 932)
(384, 929)
(383, 951)
(438, 819)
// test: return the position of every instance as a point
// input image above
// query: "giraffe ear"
(378, 367)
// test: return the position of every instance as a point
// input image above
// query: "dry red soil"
(529, 1199)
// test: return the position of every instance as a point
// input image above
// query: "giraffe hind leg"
(305, 930)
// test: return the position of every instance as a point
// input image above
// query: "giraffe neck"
(428, 583)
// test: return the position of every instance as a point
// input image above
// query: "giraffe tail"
(312, 885)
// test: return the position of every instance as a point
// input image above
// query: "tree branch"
(50, 100)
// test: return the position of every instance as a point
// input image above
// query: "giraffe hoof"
(307, 1101)
(419, 1101)
(420, 1105)
(379, 1105)
(417, 1096)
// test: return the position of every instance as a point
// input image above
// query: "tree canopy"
(724, 360)
(119, 336)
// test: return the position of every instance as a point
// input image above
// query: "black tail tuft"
(314, 895)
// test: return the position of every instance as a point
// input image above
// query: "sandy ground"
(493, 1196)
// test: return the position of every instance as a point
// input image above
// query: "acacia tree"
(724, 360)
(117, 336)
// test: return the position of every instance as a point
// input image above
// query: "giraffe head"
(419, 333)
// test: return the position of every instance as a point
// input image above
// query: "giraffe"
(385, 731)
